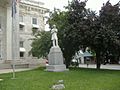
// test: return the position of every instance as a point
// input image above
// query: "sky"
(92, 4)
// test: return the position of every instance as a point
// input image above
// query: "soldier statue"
(54, 36)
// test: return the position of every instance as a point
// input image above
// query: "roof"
(87, 54)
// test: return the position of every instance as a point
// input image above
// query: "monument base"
(56, 68)
(55, 60)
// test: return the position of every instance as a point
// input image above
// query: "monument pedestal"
(56, 68)
(55, 60)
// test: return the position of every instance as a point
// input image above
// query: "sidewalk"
(11, 70)
(107, 66)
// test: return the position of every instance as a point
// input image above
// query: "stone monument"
(55, 56)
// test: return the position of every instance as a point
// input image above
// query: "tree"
(86, 29)
(80, 21)
(110, 18)
(79, 28)
(41, 44)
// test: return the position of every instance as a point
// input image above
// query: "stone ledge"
(56, 68)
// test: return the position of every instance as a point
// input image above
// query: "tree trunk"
(67, 62)
(98, 60)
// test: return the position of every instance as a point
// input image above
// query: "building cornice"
(38, 7)
(32, 2)
(28, 8)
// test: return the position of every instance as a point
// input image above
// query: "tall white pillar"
(12, 34)
(15, 35)
(9, 33)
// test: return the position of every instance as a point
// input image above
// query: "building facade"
(16, 43)
(31, 17)
(6, 32)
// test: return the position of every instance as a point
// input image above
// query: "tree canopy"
(41, 44)
(79, 27)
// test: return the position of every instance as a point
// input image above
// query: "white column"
(15, 35)
(9, 33)
(12, 35)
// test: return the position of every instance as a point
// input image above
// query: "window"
(21, 27)
(21, 43)
(20, 18)
(21, 54)
(34, 20)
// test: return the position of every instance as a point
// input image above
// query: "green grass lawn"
(75, 79)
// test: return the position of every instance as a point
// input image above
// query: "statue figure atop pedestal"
(54, 36)
(55, 56)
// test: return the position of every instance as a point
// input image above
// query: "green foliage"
(41, 44)
(79, 28)
(106, 37)
(79, 33)
(71, 27)
(87, 29)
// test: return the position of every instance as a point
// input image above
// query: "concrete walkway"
(11, 70)
(107, 66)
